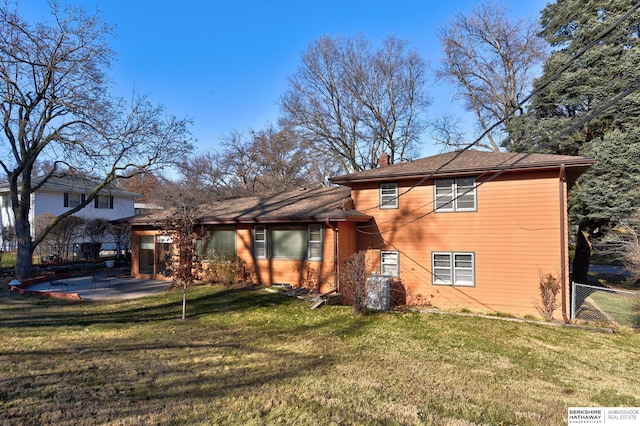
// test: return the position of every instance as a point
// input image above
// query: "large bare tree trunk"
(582, 258)
(25, 245)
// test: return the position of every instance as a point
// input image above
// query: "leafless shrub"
(353, 279)
(223, 269)
(59, 238)
(549, 289)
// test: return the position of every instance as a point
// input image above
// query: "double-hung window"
(315, 242)
(73, 199)
(455, 194)
(389, 195)
(294, 242)
(260, 242)
(103, 202)
(453, 269)
(389, 263)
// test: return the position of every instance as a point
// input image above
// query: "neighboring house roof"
(304, 205)
(77, 184)
(468, 162)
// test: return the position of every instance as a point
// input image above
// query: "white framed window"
(455, 194)
(389, 195)
(73, 199)
(315, 242)
(295, 242)
(453, 269)
(390, 263)
(260, 242)
(103, 202)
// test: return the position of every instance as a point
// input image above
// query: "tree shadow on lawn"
(35, 311)
(114, 380)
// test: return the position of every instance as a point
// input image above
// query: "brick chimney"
(384, 159)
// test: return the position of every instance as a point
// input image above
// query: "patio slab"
(100, 287)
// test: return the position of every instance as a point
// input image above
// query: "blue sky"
(224, 64)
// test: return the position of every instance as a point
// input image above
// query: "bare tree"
(353, 102)
(252, 162)
(95, 231)
(59, 238)
(55, 106)
(489, 59)
(145, 184)
(623, 244)
(181, 224)
(121, 235)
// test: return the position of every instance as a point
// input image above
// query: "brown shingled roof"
(466, 162)
(303, 205)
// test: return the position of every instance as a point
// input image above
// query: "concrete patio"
(101, 286)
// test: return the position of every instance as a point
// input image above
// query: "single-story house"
(461, 230)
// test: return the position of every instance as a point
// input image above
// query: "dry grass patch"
(245, 356)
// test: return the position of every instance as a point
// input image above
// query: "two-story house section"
(469, 229)
(63, 193)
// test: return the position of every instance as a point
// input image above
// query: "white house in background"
(62, 193)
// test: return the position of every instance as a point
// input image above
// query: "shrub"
(549, 289)
(353, 279)
(223, 269)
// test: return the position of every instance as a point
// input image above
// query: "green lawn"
(8, 259)
(623, 308)
(252, 357)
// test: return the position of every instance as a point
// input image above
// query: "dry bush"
(353, 279)
(549, 289)
(223, 269)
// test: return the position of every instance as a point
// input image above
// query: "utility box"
(379, 292)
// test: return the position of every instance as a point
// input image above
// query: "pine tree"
(586, 103)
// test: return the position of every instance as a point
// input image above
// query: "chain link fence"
(603, 305)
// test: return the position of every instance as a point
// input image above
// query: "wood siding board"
(514, 234)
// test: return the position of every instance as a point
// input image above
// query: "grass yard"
(246, 356)
(7, 259)
(625, 309)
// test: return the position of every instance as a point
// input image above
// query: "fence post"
(572, 308)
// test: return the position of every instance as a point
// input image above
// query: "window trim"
(452, 197)
(67, 196)
(260, 230)
(452, 269)
(396, 265)
(103, 202)
(263, 249)
(316, 243)
(388, 201)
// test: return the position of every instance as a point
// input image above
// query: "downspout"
(336, 261)
(336, 270)
(563, 242)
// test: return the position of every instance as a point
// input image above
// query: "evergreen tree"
(586, 104)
